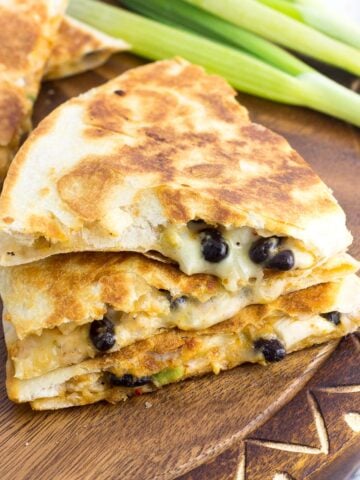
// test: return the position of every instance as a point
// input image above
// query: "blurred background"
(351, 7)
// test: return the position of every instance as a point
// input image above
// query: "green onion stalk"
(181, 14)
(319, 15)
(284, 30)
(248, 73)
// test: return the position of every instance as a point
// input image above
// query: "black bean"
(213, 246)
(174, 302)
(283, 260)
(272, 349)
(263, 249)
(102, 334)
(128, 380)
(333, 317)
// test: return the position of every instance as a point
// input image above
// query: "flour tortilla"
(79, 48)
(146, 153)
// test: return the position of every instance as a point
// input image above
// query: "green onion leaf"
(321, 17)
(168, 375)
(284, 30)
(156, 41)
(245, 72)
(182, 14)
(286, 7)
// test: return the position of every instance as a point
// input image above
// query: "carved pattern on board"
(321, 444)
(304, 449)
(351, 419)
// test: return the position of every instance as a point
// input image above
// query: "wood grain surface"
(293, 420)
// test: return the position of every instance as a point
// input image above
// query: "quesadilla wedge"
(67, 308)
(79, 48)
(257, 334)
(27, 32)
(163, 158)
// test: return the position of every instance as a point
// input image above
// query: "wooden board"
(290, 419)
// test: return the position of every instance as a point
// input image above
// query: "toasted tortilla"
(27, 32)
(150, 151)
(80, 48)
(49, 305)
(295, 320)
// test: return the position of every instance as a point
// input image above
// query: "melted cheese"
(184, 246)
(212, 353)
(294, 332)
(36, 355)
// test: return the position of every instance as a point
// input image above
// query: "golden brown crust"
(166, 150)
(18, 36)
(79, 48)
(313, 300)
(26, 34)
(78, 288)
(318, 298)
(12, 110)
(71, 41)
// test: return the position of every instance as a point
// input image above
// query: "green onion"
(168, 375)
(321, 17)
(284, 30)
(180, 13)
(285, 6)
(156, 41)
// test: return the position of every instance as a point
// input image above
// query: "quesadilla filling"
(235, 256)
(37, 355)
(174, 356)
(69, 344)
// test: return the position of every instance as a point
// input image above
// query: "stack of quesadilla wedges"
(37, 42)
(150, 232)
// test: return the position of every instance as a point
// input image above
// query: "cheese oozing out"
(183, 244)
